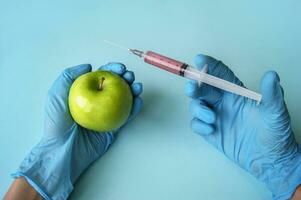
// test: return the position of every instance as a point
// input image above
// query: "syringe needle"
(134, 51)
(116, 45)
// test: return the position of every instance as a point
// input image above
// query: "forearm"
(21, 189)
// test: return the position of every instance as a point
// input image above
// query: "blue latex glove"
(66, 149)
(257, 138)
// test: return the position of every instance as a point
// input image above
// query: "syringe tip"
(136, 52)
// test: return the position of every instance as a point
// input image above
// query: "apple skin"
(100, 107)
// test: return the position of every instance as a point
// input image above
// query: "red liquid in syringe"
(165, 63)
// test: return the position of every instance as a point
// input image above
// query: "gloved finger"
(201, 111)
(218, 69)
(192, 89)
(117, 68)
(137, 105)
(201, 127)
(272, 93)
(129, 77)
(204, 92)
(273, 109)
(76, 71)
(137, 89)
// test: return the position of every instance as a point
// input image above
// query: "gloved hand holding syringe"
(187, 71)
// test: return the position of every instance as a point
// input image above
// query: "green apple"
(100, 101)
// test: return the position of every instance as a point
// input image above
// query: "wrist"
(21, 189)
(297, 194)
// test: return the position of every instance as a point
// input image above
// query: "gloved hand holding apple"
(101, 102)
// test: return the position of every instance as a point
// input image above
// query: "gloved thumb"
(62, 84)
(275, 118)
(272, 93)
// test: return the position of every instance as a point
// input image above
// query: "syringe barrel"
(165, 63)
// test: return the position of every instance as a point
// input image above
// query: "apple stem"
(101, 83)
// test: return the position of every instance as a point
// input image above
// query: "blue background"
(157, 156)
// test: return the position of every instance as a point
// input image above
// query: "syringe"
(187, 71)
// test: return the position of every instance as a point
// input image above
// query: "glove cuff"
(53, 165)
(35, 185)
(287, 178)
(47, 168)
